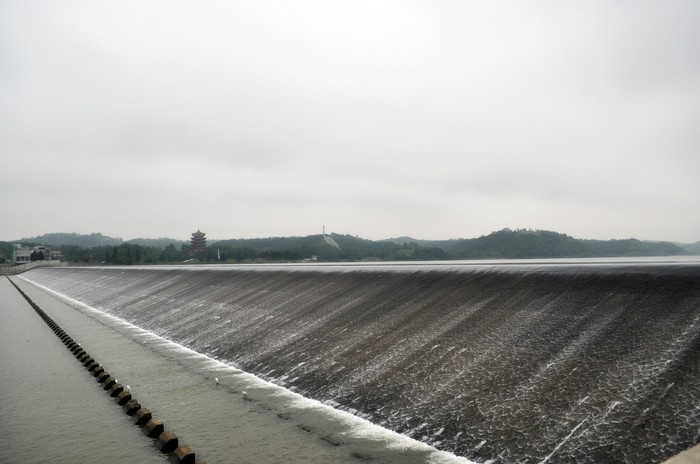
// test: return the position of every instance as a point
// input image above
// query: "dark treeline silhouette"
(503, 244)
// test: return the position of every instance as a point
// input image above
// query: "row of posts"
(166, 441)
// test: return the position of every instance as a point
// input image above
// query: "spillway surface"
(268, 424)
(572, 363)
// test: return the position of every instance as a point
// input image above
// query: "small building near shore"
(21, 254)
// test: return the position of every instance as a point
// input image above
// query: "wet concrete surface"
(537, 363)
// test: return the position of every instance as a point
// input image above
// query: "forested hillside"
(58, 239)
(503, 244)
(526, 243)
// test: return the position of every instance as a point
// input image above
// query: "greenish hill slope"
(82, 240)
(502, 244)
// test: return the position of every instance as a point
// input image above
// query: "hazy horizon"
(217, 239)
(381, 118)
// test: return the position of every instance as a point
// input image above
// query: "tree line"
(503, 244)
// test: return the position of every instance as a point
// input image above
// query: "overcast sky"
(434, 119)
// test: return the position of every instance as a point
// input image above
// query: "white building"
(21, 254)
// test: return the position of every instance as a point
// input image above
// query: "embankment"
(568, 363)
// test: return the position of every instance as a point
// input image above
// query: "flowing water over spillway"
(580, 363)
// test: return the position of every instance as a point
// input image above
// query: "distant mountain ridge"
(693, 248)
(58, 239)
(528, 243)
(502, 244)
(96, 239)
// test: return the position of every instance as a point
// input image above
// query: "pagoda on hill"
(198, 241)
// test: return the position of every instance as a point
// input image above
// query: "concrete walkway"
(691, 456)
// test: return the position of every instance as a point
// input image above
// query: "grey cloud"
(375, 115)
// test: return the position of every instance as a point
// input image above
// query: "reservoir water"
(527, 362)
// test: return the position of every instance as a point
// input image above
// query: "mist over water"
(531, 363)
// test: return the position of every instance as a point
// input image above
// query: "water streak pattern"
(560, 363)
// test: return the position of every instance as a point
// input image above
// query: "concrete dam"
(501, 363)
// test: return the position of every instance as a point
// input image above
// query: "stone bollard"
(123, 397)
(87, 361)
(154, 428)
(99, 370)
(142, 416)
(167, 442)
(102, 376)
(108, 383)
(116, 389)
(183, 455)
(131, 407)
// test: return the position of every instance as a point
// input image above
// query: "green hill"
(526, 243)
(97, 240)
(502, 244)
(157, 242)
(693, 248)
(58, 239)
